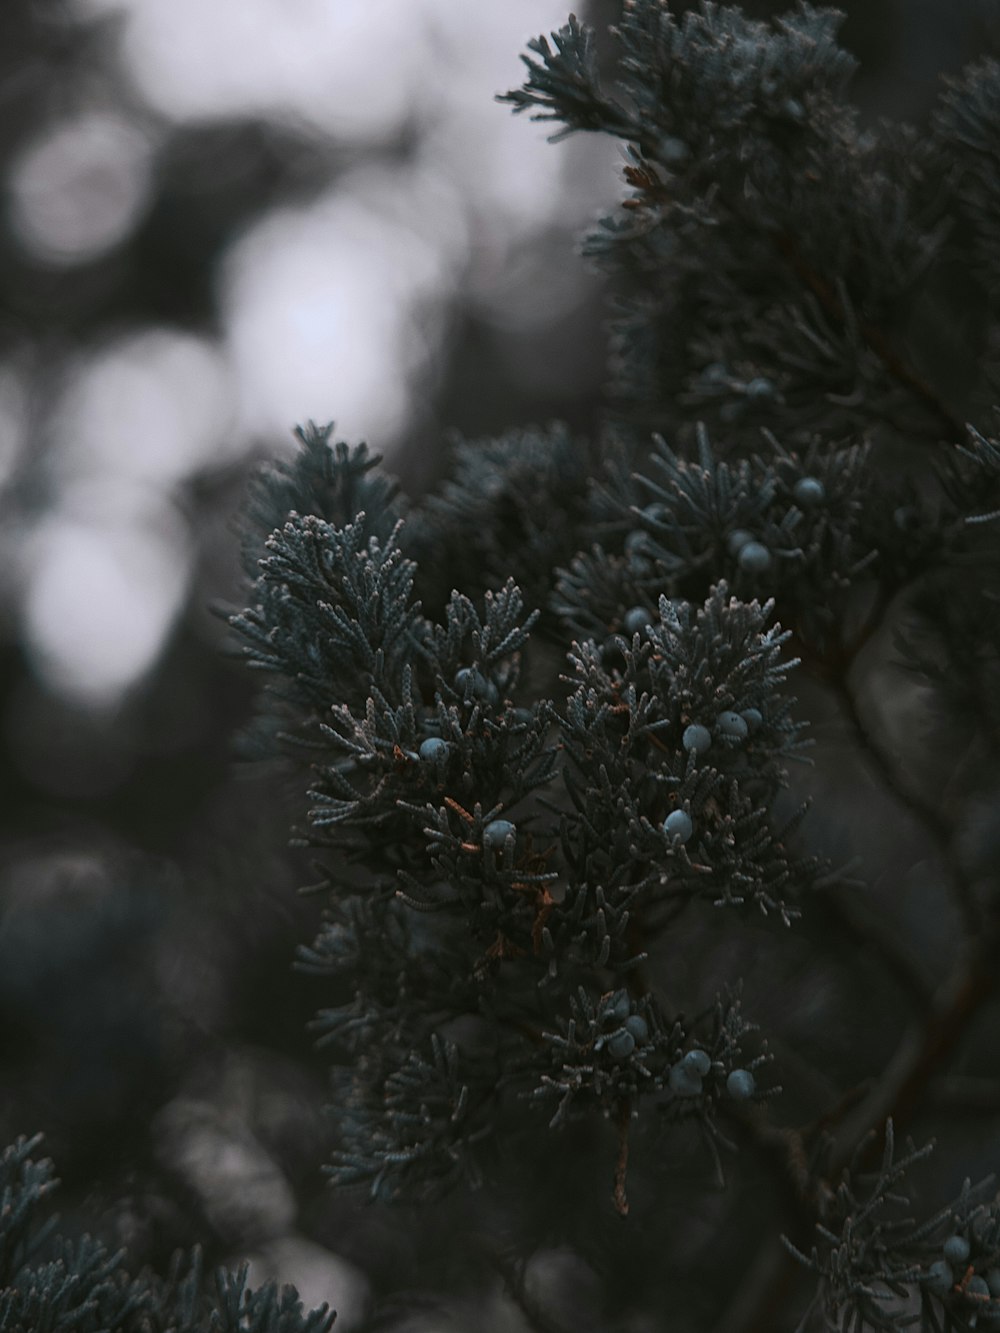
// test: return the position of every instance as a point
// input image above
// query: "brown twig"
(621, 1165)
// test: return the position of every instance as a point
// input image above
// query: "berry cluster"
(618, 1047)
(955, 1277)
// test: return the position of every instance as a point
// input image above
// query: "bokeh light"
(78, 189)
(101, 599)
(330, 309)
(349, 67)
(354, 68)
(154, 405)
(333, 304)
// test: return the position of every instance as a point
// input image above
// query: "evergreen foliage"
(50, 1284)
(580, 916)
(522, 861)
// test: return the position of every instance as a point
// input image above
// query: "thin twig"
(621, 1166)
(875, 338)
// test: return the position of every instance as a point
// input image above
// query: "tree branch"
(875, 338)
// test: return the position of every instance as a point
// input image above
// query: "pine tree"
(599, 960)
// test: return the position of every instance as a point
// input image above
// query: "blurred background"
(219, 218)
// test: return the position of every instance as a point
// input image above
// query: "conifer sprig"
(50, 1284)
